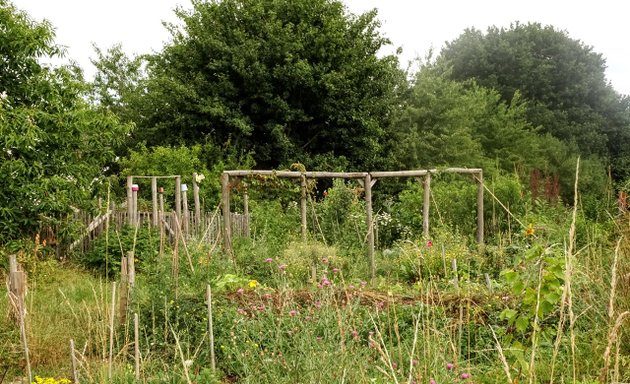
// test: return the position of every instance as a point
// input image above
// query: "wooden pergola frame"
(367, 180)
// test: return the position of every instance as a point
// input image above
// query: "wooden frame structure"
(181, 200)
(367, 180)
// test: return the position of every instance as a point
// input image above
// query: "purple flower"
(450, 366)
(325, 260)
(240, 291)
(268, 260)
(335, 270)
(292, 313)
(318, 304)
(432, 381)
(325, 282)
(465, 376)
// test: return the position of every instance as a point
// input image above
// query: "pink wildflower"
(355, 334)
(292, 313)
(335, 270)
(429, 243)
(318, 304)
(325, 260)
(450, 366)
(240, 291)
(432, 381)
(465, 376)
(268, 260)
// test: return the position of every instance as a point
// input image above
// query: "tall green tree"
(53, 144)
(286, 80)
(562, 78)
(445, 122)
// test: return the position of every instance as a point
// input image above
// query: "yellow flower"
(529, 231)
(253, 283)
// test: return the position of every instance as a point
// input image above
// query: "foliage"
(106, 253)
(53, 144)
(562, 79)
(289, 81)
(181, 160)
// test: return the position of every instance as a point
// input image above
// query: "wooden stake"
(131, 269)
(129, 200)
(25, 341)
(75, 374)
(246, 231)
(370, 225)
(225, 197)
(455, 275)
(161, 224)
(303, 207)
(124, 286)
(136, 345)
(111, 330)
(186, 217)
(480, 223)
(197, 220)
(154, 197)
(178, 196)
(210, 327)
(426, 205)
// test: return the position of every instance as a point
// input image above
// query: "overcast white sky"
(414, 25)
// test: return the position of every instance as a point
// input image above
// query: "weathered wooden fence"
(208, 226)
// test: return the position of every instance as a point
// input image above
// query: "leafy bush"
(106, 253)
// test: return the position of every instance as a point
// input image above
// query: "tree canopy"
(562, 79)
(285, 80)
(53, 144)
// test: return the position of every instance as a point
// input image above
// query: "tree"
(53, 144)
(444, 122)
(287, 80)
(562, 79)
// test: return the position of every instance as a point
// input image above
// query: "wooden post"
(111, 331)
(426, 204)
(225, 197)
(210, 328)
(154, 198)
(75, 373)
(124, 287)
(370, 225)
(131, 269)
(178, 197)
(480, 222)
(197, 203)
(161, 190)
(136, 346)
(455, 273)
(303, 207)
(129, 200)
(186, 217)
(17, 288)
(136, 215)
(246, 231)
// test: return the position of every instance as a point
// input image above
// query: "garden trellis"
(367, 181)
